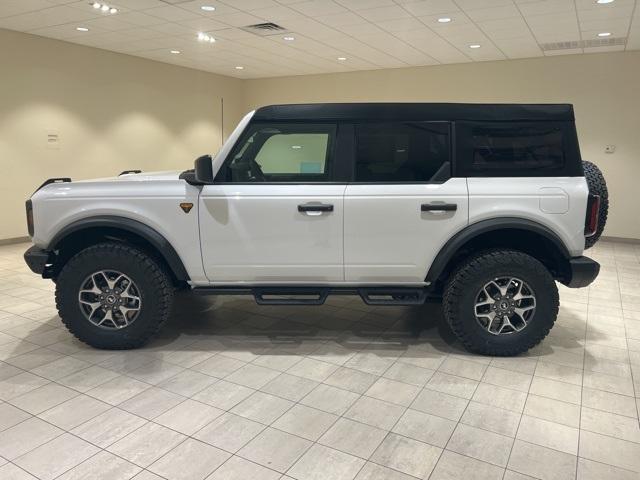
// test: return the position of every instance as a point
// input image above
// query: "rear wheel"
(113, 296)
(501, 302)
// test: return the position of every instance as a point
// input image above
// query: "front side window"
(402, 152)
(516, 147)
(282, 153)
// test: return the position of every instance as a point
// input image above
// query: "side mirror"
(204, 169)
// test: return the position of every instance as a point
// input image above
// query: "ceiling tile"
(45, 18)
(469, 4)
(384, 13)
(365, 4)
(341, 19)
(542, 7)
(249, 5)
(493, 13)
(422, 8)
(505, 28)
(171, 13)
(314, 8)
(401, 24)
(16, 7)
(139, 18)
(203, 24)
(277, 14)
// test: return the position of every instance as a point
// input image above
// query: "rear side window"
(402, 152)
(511, 149)
(281, 153)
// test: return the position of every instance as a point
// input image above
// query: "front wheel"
(501, 302)
(113, 296)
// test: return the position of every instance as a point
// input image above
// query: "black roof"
(416, 111)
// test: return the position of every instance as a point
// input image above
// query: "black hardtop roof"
(416, 111)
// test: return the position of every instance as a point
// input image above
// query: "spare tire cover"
(597, 186)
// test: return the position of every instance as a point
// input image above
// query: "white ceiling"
(371, 34)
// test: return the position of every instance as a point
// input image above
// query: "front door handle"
(315, 207)
(439, 207)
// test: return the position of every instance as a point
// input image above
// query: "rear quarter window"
(519, 149)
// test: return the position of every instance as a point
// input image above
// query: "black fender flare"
(155, 239)
(468, 233)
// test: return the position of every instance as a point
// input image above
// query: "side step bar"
(393, 296)
(317, 295)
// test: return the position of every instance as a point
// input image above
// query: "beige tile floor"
(231, 390)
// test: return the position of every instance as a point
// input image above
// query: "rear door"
(402, 205)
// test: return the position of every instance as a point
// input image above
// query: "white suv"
(482, 206)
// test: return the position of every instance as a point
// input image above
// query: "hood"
(133, 185)
(166, 175)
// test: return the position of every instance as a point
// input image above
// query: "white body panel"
(388, 239)
(558, 203)
(255, 234)
(150, 199)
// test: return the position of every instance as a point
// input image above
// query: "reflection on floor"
(231, 390)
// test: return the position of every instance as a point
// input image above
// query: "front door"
(402, 206)
(274, 214)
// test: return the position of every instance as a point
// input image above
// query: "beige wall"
(112, 112)
(604, 88)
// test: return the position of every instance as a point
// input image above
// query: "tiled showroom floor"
(231, 390)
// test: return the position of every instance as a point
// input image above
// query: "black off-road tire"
(468, 279)
(597, 186)
(153, 283)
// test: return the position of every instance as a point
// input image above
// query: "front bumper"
(37, 259)
(582, 271)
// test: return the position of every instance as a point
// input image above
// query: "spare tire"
(597, 186)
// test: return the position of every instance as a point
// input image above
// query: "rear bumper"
(37, 259)
(582, 271)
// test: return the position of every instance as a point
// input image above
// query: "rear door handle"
(315, 208)
(439, 207)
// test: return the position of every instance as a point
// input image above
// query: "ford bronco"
(482, 206)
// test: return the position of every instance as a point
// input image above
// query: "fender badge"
(186, 207)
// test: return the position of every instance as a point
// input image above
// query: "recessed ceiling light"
(203, 37)
(444, 20)
(604, 1)
(207, 8)
(342, 59)
(82, 29)
(239, 67)
(604, 34)
(289, 39)
(104, 7)
(176, 52)
(475, 45)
